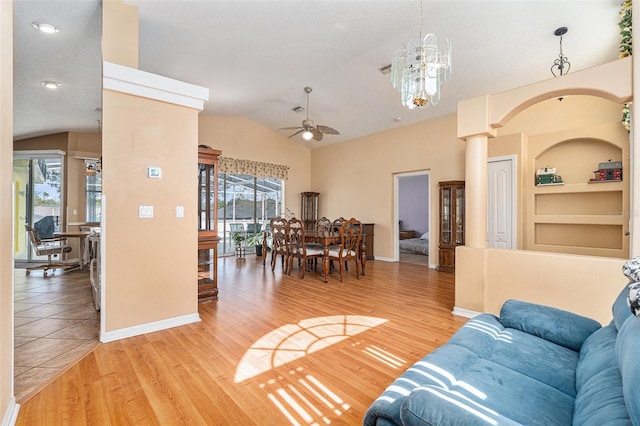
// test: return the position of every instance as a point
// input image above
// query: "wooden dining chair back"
(299, 248)
(322, 228)
(348, 247)
(49, 247)
(278, 227)
(337, 224)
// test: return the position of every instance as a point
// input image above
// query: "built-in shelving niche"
(579, 217)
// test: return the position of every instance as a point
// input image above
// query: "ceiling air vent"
(298, 109)
(385, 70)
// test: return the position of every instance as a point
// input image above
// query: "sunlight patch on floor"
(294, 341)
(384, 357)
(306, 400)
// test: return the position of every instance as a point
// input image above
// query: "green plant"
(626, 49)
(237, 238)
(256, 240)
(626, 33)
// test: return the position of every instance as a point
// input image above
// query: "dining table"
(326, 239)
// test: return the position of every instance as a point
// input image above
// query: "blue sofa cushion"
(597, 354)
(429, 370)
(485, 393)
(620, 308)
(561, 327)
(600, 401)
(627, 354)
(416, 410)
(485, 336)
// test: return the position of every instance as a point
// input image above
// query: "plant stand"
(241, 251)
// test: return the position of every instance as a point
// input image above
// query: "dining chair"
(48, 247)
(321, 228)
(278, 227)
(299, 248)
(348, 245)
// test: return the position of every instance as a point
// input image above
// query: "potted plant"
(256, 241)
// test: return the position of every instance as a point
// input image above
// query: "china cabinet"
(309, 209)
(208, 238)
(451, 223)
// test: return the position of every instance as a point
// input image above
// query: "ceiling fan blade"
(291, 128)
(296, 133)
(327, 130)
(317, 134)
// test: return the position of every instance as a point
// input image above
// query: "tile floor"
(55, 324)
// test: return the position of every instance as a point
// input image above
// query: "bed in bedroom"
(415, 245)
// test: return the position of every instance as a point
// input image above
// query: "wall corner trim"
(462, 312)
(152, 86)
(137, 330)
(11, 415)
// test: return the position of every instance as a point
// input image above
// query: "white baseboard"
(461, 312)
(11, 415)
(384, 259)
(137, 330)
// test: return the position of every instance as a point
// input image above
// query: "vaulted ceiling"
(257, 56)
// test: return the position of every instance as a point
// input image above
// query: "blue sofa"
(534, 365)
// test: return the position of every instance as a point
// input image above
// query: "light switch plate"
(179, 211)
(145, 212)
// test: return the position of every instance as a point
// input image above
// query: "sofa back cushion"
(555, 325)
(597, 354)
(628, 355)
(620, 308)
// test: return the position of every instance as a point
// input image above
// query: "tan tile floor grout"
(55, 324)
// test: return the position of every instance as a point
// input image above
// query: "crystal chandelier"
(419, 67)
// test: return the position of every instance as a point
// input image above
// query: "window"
(93, 186)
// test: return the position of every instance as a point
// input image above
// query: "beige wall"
(6, 171)
(149, 264)
(120, 40)
(240, 138)
(586, 285)
(355, 178)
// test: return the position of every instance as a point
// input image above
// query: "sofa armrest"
(432, 405)
(555, 325)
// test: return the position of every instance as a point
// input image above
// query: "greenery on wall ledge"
(626, 49)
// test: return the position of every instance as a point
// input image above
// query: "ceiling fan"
(309, 129)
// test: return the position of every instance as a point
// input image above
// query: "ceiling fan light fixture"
(307, 135)
(50, 84)
(45, 27)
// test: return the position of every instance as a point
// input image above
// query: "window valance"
(253, 168)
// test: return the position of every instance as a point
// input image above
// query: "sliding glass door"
(246, 207)
(38, 191)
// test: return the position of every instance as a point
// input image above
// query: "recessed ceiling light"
(50, 84)
(44, 27)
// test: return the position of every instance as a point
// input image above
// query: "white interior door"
(501, 203)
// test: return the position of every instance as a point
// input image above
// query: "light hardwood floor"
(274, 350)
